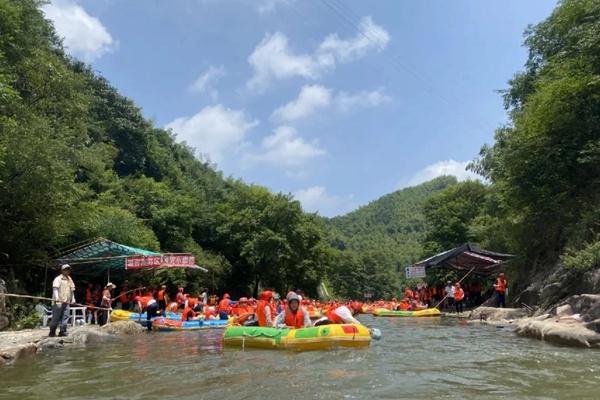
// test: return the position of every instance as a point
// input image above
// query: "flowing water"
(416, 359)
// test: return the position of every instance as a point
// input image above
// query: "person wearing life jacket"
(180, 298)
(188, 312)
(162, 298)
(224, 307)
(393, 304)
(264, 313)
(500, 288)
(341, 315)
(404, 305)
(123, 298)
(149, 304)
(242, 311)
(294, 316)
(408, 293)
(459, 297)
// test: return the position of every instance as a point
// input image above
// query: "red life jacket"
(294, 320)
(160, 295)
(144, 301)
(224, 305)
(260, 312)
(459, 294)
(501, 285)
(333, 317)
(187, 313)
(123, 297)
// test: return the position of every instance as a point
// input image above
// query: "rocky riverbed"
(575, 321)
(15, 345)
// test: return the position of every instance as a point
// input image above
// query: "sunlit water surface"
(423, 358)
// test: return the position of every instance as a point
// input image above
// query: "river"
(416, 359)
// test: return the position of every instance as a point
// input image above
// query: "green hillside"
(381, 237)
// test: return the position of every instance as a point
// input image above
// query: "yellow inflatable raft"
(428, 312)
(314, 338)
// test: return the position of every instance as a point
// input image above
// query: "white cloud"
(213, 130)
(205, 82)
(316, 199)
(83, 36)
(285, 148)
(311, 98)
(448, 167)
(267, 6)
(370, 37)
(272, 59)
(316, 97)
(365, 99)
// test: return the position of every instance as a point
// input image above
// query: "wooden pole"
(461, 279)
(24, 296)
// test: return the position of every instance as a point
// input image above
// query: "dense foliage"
(79, 161)
(376, 241)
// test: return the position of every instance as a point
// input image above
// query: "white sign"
(414, 272)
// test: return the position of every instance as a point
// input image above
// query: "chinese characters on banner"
(414, 272)
(161, 261)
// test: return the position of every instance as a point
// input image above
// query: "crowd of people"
(269, 310)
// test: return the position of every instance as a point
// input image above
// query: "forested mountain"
(394, 224)
(79, 161)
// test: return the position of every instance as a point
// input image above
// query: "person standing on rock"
(63, 294)
(106, 304)
(500, 287)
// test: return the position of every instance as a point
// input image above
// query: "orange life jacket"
(187, 313)
(123, 297)
(501, 285)
(224, 305)
(294, 320)
(260, 312)
(404, 306)
(459, 294)
(333, 317)
(160, 295)
(144, 301)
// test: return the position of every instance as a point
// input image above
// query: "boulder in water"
(120, 328)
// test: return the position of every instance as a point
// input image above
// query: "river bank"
(575, 321)
(15, 345)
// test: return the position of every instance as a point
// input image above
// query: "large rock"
(553, 283)
(10, 355)
(120, 328)
(493, 314)
(88, 335)
(551, 330)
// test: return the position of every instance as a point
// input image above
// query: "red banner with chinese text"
(160, 261)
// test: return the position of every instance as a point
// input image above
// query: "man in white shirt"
(63, 294)
(450, 295)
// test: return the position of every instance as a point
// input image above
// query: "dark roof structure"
(465, 258)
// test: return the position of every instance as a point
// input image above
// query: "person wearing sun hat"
(106, 303)
(63, 294)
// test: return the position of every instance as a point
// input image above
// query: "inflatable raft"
(428, 312)
(122, 315)
(314, 338)
(166, 325)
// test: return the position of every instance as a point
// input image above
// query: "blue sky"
(337, 102)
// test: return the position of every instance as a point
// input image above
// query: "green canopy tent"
(102, 256)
